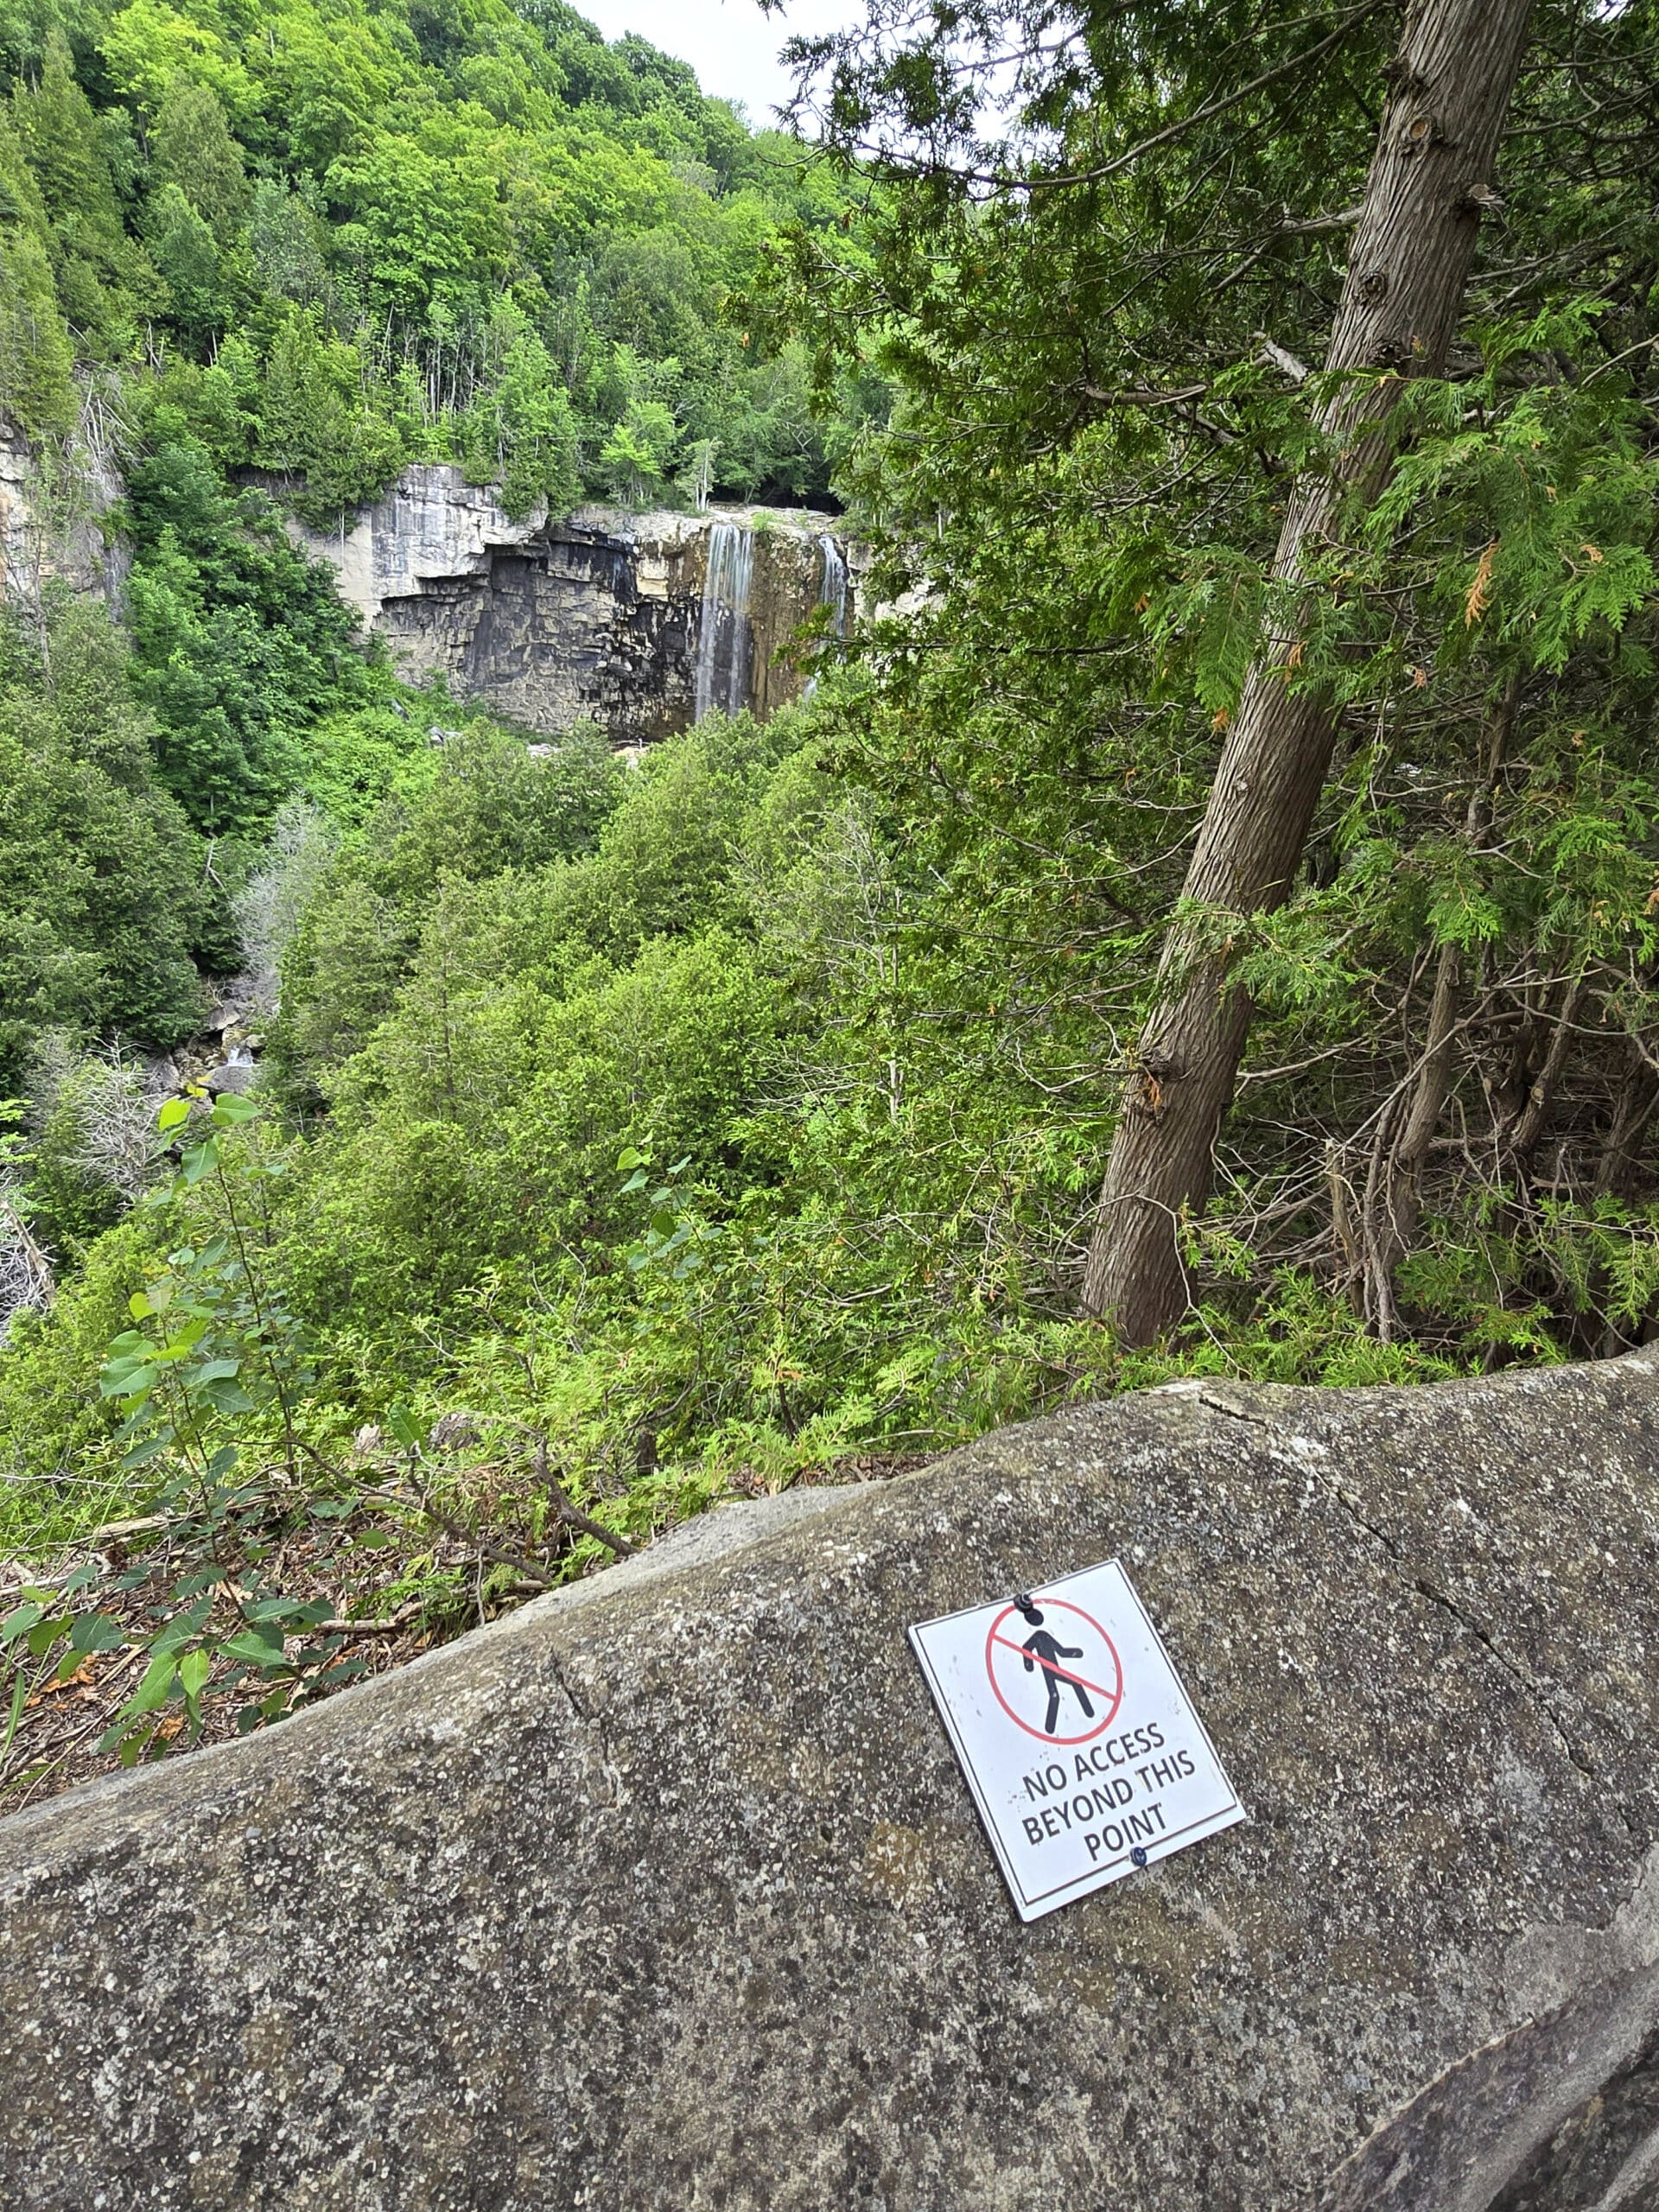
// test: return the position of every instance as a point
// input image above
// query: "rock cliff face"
(634, 620)
(667, 1892)
(46, 539)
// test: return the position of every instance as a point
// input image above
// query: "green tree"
(241, 644)
(1273, 767)
(191, 148)
(520, 433)
(1112, 378)
(320, 421)
(638, 457)
(103, 277)
(36, 353)
(101, 898)
(181, 246)
(288, 243)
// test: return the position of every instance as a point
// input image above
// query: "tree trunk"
(1403, 1182)
(1530, 1124)
(1633, 1105)
(1449, 88)
(1402, 1179)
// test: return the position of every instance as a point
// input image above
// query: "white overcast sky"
(730, 44)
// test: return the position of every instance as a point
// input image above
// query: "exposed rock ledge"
(598, 616)
(666, 1892)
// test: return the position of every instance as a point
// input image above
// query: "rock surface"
(45, 540)
(597, 617)
(667, 1892)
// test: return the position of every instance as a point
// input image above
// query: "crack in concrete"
(1233, 1412)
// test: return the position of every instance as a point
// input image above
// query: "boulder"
(667, 1891)
(230, 1075)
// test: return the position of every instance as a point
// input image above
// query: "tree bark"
(1530, 1124)
(1449, 89)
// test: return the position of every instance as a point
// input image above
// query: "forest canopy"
(327, 240)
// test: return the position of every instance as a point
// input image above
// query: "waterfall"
(832, 587)
(832, 593)
(724, 636)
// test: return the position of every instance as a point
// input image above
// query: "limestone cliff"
(634, 620)
(50, 530)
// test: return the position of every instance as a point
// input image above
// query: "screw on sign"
(1023, 1637)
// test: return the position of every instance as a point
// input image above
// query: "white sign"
(1083, 1753)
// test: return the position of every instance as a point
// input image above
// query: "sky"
(730, 44)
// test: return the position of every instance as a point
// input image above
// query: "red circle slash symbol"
(1048, 1662)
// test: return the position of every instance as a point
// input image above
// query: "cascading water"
(832, 587)
(832, 593)
(724, 637)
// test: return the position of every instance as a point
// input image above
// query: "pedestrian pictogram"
(1033, 1673)
(1083, 1752)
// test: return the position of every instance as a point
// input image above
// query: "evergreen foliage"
(101, 904)
(739, 1112)
(241, 642)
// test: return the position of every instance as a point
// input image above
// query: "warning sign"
(1083, 1752)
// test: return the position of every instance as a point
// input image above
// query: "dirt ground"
(58, 1740)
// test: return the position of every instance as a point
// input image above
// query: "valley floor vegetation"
(627, 1137)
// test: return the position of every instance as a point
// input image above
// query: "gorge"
(640, 622)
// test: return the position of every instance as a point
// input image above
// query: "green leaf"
(190, 1586)
(156, 1688)
(274, 1609)
(213, 1370)
(174, 1113)
(126, 1379)
(45, 1634)
(18, 1622)
(258, 1650)
(229, 1398)
(189, 1622)
(193, 1670)
(200, 1160)
(409, 1432)
(96, 1632)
